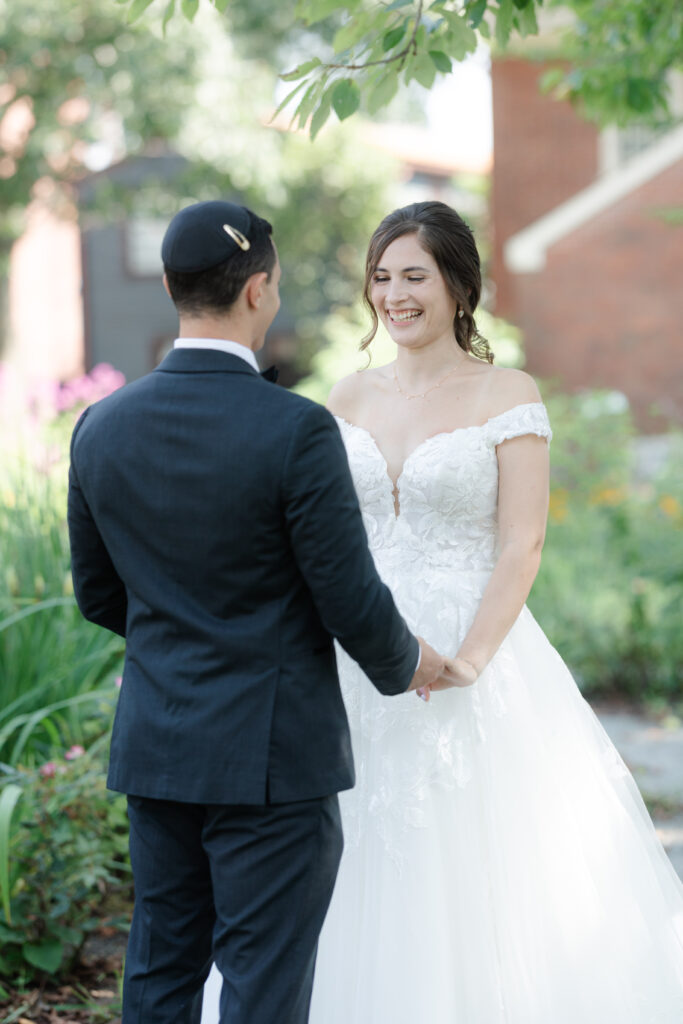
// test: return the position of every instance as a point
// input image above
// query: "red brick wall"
(607, 310)
(542, 154)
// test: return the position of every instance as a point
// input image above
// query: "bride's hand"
(456, 672)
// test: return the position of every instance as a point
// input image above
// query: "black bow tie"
(270, 374)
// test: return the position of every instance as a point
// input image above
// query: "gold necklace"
(423, 394)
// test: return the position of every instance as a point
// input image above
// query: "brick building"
(588, 246)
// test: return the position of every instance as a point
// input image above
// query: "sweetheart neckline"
(395, 485)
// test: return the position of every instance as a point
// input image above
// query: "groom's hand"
(430, 668)
(456, 672)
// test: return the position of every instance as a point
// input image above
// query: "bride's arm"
(522, 513)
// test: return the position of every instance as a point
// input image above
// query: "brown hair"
(446, 236)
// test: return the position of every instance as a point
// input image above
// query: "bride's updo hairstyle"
(450, 242)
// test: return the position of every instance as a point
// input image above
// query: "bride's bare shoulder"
(349, 394)
(508, 387)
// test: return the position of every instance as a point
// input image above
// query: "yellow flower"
(68, 586)
(9, 498)
(39, 585)
(608, 496)
(670, 506)
(557, 509)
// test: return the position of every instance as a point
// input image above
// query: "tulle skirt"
(500, 864)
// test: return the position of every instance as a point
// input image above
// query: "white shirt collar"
(233, 348)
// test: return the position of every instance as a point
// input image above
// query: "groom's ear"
(253, 289)
(165, 283)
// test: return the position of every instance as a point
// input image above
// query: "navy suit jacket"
(214, 524)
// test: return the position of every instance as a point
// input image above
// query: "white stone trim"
(525, 252)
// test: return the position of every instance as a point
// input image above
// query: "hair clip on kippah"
(238, 237)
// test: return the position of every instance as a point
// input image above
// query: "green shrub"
(63, 852)
(610, 590)
(50, 657)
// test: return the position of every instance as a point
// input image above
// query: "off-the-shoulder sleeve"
(531, 418)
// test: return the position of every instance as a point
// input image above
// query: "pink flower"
(48, 770)
(118, 681)
(73, 752)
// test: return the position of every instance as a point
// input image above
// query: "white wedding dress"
(500, 865)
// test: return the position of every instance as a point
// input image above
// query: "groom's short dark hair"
(216, 289)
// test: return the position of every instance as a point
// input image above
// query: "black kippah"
(205, 234)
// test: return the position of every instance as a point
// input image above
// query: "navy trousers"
(245, 886)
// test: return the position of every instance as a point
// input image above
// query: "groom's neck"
(226, 328)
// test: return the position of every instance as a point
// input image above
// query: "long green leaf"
(36, 696)
(301, 70)
(322, 113)
(288, 98)
(28, 722)
(383, 92)
(33, 609)
(8, 799)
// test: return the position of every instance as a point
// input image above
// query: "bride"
(500, 865)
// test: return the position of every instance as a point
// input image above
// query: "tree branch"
(401, 56)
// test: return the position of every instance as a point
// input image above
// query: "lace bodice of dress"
(447, 491)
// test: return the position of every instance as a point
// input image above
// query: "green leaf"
(168, 14)
(301, 70)
(46, 957)
(288, 98)
(397, 4)
(383, 92)
(221, 5)
(33, 609)
(521, 4)
(351, 33)
(639, 94)
(189, 8)
(441, 61)
(460, 39)
(526, 20)
(475, 12)
(504, 21)
(322, 113)
(423, 71)
(67, 933)
(308, 102)
(8, 799)
(345, 98)
(394, 36)
(137, 8)
(551, 79)
(313, 11)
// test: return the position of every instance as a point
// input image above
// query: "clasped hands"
(438, 673)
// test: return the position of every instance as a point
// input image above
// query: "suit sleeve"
(331, 549)
(100, 593)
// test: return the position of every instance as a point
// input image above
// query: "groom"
(214, 524)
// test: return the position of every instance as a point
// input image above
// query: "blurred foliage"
(610, 589)
(620, 59)
(55, 668)
(65, 843)
(76, 75)
(321, 200)
(355, 54)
